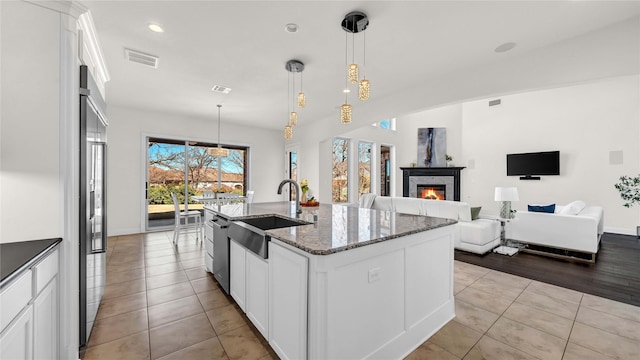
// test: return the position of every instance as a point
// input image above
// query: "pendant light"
(345, 109)
(301, 99)
(353, 23)
(363, 87)
(218, 151)
(293, 67)
(288, 132)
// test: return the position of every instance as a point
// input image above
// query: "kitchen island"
(356, 283)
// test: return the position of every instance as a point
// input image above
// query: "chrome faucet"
(298, 208)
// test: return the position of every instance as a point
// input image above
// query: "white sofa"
(574, 227)
(478, 236)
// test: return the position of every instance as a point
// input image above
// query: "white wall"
(127, 163)
(30, 157)
(585, 122)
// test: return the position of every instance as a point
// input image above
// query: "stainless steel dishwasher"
(221, 251)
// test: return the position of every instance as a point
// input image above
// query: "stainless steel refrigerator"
(93, 209)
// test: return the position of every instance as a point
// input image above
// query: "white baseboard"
(118, 232)
(623, 231)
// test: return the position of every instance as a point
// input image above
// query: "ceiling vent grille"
(141, 58)
(221, 89)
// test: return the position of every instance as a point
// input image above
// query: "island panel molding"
(413, 177)
(394, 295)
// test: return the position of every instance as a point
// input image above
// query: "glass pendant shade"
(353, 74)
(363, 90)
(288, 132)
(293, 118)
(218, 152)
(301, 100)
(345, 113)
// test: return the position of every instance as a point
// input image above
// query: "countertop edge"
(28, 264)
(356, 245)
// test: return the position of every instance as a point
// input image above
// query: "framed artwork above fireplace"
(432, 147)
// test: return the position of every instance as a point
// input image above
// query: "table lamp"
(506, 195)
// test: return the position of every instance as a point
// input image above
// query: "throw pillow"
(542, 208)
(475, 212)
(573, 208)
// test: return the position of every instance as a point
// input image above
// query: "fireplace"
(432, 192)
(431, 183)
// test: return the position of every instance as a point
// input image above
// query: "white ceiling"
(243, 45)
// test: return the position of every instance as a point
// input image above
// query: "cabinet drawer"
(208, 263)
(208, 231)
(14, 298)
(208, 245)
(208, 215)
(45, 270)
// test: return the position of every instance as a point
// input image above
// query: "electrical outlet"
(374, 275)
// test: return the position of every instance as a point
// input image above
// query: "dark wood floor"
(615, 275)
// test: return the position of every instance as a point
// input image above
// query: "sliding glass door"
(186, 168)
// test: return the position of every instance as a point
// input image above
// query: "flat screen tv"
(529, 164)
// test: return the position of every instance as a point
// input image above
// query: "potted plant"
(449, 159)
(629, 189)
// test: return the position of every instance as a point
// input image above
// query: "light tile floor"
(159, 303)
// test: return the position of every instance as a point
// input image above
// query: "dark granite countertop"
(18, 256)
(339, 227)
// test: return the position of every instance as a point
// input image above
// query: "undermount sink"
(273, 222)
(250, 233)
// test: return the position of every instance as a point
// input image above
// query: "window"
(364, 168)
(293, 173)
(385, 170)
(187, 168)
(340, 183)
(387, 124)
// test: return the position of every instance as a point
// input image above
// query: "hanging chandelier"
(218, 151)
(353, 23)
(293, 67)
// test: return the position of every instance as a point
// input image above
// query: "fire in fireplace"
(432, 192)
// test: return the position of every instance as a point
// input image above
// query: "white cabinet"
(257, 291)
(287, 302)
(31, 313)
(16, 341)
(237, 259)
(250, 285)
(45, 321)
(208, 240)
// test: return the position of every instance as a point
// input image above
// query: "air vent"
(141, 58)
(221, 89)
(494, 102)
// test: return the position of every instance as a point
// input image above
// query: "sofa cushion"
(407, 205)
(475, 212)
(366, 200)
(573, 208)
(384, 203)
(454, 210)
(542, 208)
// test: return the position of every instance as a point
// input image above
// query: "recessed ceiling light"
(156, 28)
(291, 27)
(346, 91)
(505, 47)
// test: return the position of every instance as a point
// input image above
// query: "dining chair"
(208, 193)
(227, 198)
(186, 216)
(250, 194)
